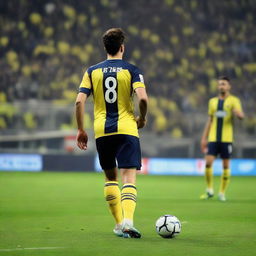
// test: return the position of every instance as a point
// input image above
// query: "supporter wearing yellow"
(217, 137)
(113, 83)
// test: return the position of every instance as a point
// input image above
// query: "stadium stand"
(182, 47)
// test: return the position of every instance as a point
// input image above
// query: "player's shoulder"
(211, 100)
(131, 67)
(96, 66)
(233, 97)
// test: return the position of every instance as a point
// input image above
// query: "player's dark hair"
(224, 78)
(112, 40)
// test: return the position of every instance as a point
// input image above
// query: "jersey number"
(110, 93)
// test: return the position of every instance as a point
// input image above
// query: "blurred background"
(181, 46)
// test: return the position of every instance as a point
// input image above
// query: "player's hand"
(204, 146)
(141, 122)
(235, 112)
(238, 114)
(81, 139)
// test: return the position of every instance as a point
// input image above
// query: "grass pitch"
(67, 210)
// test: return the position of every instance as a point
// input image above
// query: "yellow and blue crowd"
(181, 47)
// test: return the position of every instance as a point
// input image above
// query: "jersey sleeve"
(237, 104)
(86, 86)
(210, 108)
(137, 78)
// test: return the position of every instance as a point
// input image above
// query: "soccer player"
(113, 83)
(217, 136)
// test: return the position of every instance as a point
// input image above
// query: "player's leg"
(129, 159)
(209, 159)
(112, 195)
(129, 197)
(129, 194)
(112, 192)
(225, 177)
(212, 152)
(209, 171)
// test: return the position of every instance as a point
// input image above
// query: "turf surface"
(68, 210)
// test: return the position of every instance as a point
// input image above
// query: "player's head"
(224, 85)
(113, 40)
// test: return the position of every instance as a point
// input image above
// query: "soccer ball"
(168, 226)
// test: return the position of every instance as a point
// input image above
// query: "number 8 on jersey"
(110, 93)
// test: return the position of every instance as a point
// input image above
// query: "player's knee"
(129, 176)
(111, 176)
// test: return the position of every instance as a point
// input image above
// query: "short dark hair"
(113, 39)
(224, 78)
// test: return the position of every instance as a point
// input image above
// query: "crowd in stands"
(181, 46)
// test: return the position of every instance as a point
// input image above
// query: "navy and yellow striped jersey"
(112, 83)
(221, 111)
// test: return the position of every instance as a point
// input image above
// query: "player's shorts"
(223, 149)
(120, 148)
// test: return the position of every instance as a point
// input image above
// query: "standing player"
(113, 83)
(219, 131)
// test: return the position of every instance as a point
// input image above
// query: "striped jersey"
(221, 110)
(112, 84)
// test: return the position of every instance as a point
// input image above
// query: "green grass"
(68, 210)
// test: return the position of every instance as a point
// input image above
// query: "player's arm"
(81, 137)
(238, 114)
(206, 131)
(84, 92)
(139, 88)
(143, 106)
(237, 110)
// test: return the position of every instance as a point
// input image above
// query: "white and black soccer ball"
(168, 226)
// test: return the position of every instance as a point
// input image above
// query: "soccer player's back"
(113, 83)
(110, 82)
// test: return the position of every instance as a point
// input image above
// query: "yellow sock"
(113, 197)
(225, 178)
(129, 195)
(209, 177)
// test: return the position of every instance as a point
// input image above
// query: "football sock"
(209, 178)
(113, 197)
(128, 199)
(225, 178)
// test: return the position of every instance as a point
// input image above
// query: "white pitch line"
(33, 248)
(184, 222)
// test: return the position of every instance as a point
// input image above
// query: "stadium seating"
(181, 47)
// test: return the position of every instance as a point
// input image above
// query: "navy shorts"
(120, 148)
(223, 149)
